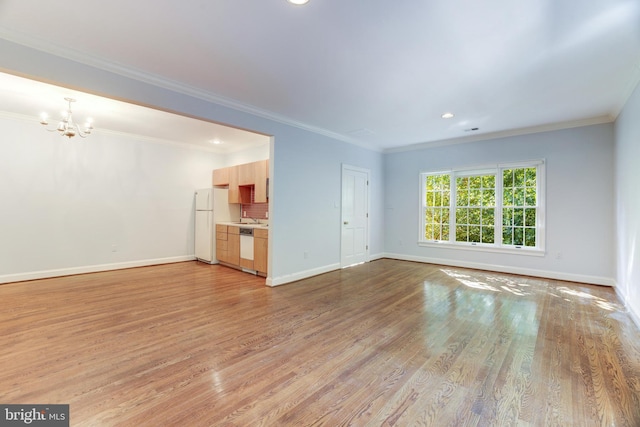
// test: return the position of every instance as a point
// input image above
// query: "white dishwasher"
(246, 244)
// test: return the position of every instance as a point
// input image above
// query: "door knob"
(346, 222)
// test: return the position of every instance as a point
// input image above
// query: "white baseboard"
(635, 316)
(282, 280)
(580, 278)
(376, 256)
(45, 274)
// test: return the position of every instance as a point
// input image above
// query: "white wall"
(305, 166)
(579, 203)
(627, 132)
(249, 155)
(109, 201)
(305, 199)
(307, 179)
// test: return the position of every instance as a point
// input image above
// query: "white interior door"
(355, 216)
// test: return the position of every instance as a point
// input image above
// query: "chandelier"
(66, 126)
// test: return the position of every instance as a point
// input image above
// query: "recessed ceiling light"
(298, 1)
(216, 141)
(447, 115)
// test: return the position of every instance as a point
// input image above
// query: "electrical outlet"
(306, 254)
(114, 248)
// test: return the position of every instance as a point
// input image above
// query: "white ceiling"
(26, 98)
(375, 72)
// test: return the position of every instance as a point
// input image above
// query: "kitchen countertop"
(244, 224)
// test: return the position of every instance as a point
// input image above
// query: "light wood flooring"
(384, 343)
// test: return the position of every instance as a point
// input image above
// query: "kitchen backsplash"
(254, 210)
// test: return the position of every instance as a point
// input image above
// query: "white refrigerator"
(212, 206)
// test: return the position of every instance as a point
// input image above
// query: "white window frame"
(538, 250)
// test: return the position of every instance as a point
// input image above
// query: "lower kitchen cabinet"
(234, 245)
(228, 248)
(228, 244)
(246, 263)
(222, 243)
(260, 250)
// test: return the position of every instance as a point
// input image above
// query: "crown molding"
(505, 134)
(181, 88)
(164, 83)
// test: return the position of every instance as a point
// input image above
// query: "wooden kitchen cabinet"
(221, 177)
(238, 193)
(228, 244)
(241, 179)
(261, 178)
(246, 263)
(222, 243)
(234, 190)
(233, 239)
(246, 174)
(228, 248)
(260, 250)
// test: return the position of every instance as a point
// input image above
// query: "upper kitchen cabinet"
(246, 175)
(221, 177)
(237, 193)
(241, 179)
(261, 189)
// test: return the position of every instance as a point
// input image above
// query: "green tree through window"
(475, 208)
(519, 207)
(438, 193)
(489, 207)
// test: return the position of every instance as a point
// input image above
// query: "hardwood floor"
(385, 343)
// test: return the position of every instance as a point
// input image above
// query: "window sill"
(484, 248)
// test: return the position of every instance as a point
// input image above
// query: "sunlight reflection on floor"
(495, 283)
(581, 295)
(504, 283)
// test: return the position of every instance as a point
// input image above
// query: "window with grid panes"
(497, 207)
(475, 208)
(437, 206)
(519, 206)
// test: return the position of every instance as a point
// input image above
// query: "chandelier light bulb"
(66, 126)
